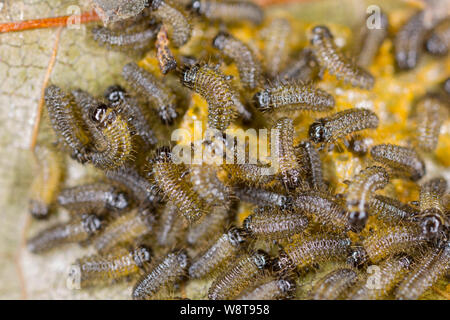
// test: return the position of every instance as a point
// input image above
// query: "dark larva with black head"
(303, 68)
(119, 264)
(432, 212)
(430, 114)
(154, 91)
(47, 181)
(406, 237)
(309, 160)
(233, 11)
(340, 124)
(219, 254)
(64, 118)
(335, 284)
(276, 45)
(261, 197)
(402, 161)
(164, 275)
(249, 67)
(293, 96)
(438, 42)
(288, 168)
(130, 108)
(271, 288)
(126, 229)
(272, 223)
(434, 265)
(247, 269)
(311, 250)
(171, 226)
(335, 62)
(174, 19)
(390, 272)
(360, 191)
(391, 210)
(78, 230)
(322, 209)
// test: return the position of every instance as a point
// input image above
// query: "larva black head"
(287, 287)
(358, 257)
(246, 224)
(189, 75)
(236, 236)
(405, 260)
(220, 39)
(142, 255)
(114, 94)
(319, 33)
(102, 115)
(117, 201)
(261, 259)
(162, 154)
(318, 132)
(282, 264)
(431, 224)
(357, 220)
(91, 223)
(261, 100)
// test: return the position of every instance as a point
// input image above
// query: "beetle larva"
(163, 275)
(219, 254)
(95, 198)
(171, 227)
(168, 176)
(250, 72)
(304, 68)
(174, 19)
(213, 86)
(309, 160)
(125, 229)
(210, 227)
(431, 113)
(276, 45)
(63, 114)
(129, 107)
(47, 181)
(391, 210)
(438, 42)
(390, 272)
(335, 284)
(166, 60)
(233, 11)
(106, 269)
(311, 250)
(389, 241)
(271, 289)
(293, 96)
(322, 209)
(342, 123)
(261, 197)
(430, 268)
(242, 274)
(273, 223)
(161, 97)
(77, 230)
(432, 213)
(402, 160)
(335, 62)
(359, 193)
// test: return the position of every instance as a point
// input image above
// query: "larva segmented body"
(233, 11)
(163, 275)
(171, 226)
(390, 272)
(47, 182)
(431, 113)
(219, 254)
(168, 176)
(276, 45)
(271, 289)
(161, 97)
(402, 160)
(125, 229)
(311, 250)
(431, 267)
(335, 284)
(322, 209)
(66, 122)
(309, 160)
(242, 274)
(77, 230)
(261, 197)
(438, 43)
(174, 19)
(432, 212)
(272, 223)
(209, 227)
(304, 68)
(389, 241)
(359, 193)
(213, 86)
(335, 62)
(96, 198)
(106, 269)
(340, 124)
(249, 67)
(293, 96)
(391, 210)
